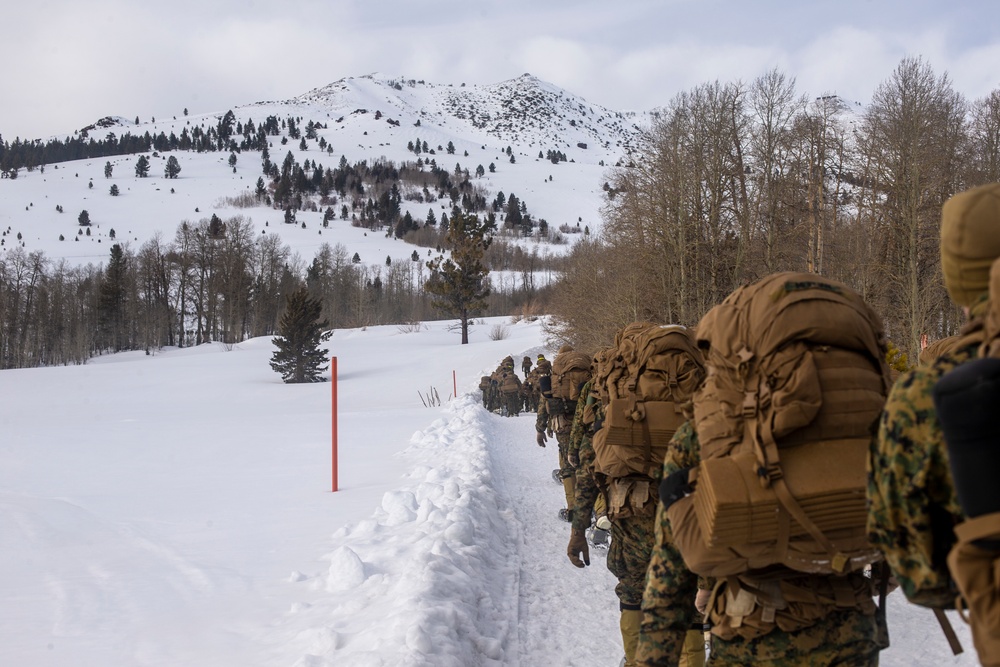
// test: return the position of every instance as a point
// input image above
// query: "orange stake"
(333, 373)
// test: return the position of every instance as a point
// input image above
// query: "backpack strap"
(771, 475)
(982, 527)
(949, 632)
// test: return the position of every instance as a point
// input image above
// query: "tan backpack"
(570, 371)
(643, 382)
(796, 381)
(510, 383)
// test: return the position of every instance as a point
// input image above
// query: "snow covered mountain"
(512, 128)
(523, 112)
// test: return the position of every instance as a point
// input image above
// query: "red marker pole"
(333, 385)
(454, 384)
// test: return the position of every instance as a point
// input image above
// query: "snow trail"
(567, 616)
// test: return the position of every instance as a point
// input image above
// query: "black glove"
(540, 438)
(674, 487)
(578, 547)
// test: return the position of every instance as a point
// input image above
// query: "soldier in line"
(916, 530)
(632, 532)
(486, 386)
(555, 417)
(590, 503)
(774, 616)
(533, 391)
(510, 386)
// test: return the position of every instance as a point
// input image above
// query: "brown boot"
(569, 486)
(693, 650)
(630, 621)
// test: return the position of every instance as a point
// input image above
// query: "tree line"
(227, 135)
(219, 280)
(733, 181)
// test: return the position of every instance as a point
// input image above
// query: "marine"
(787, 381)
(847, 637)
(555, 417)
(914, 509)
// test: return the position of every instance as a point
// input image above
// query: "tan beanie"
(970, 241)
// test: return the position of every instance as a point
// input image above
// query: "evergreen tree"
(108, 169)
(459, 285)
(173, 167)
(83, 218)
(300, 333)
(142, 167)
(111, 320)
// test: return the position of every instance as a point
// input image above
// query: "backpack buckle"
(750, 405)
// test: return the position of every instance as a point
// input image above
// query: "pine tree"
(300, 333)
(142, 167)
(111, 316)
(173, 167)
(460, 284)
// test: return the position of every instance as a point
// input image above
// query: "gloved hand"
(674, 487)
(701, 600)
(540, 438)
(578, 547)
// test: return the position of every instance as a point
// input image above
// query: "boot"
(630, 621)
(569, 486)
(693, 650)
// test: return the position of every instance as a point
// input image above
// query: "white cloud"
(82, 59)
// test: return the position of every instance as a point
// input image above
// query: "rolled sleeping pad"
(967, 400)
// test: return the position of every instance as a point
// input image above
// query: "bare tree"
(910, 142)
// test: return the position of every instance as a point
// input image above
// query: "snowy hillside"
(360, 119)
(525, 112)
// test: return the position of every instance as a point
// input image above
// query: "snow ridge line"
(431, 578)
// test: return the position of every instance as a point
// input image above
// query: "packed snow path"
(567, 616)
(463, 566)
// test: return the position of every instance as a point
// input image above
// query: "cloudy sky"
(67, 63)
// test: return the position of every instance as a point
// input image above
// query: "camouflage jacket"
(841, 638)
(581, 447)
(912, 506)
(558, 423)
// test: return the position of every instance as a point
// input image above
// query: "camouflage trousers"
(628, 557)
(841, 639)
(565, 468)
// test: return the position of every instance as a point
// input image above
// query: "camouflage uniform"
(510, 386)
(632, 538)
(561, 426)
(912, 506)
(840, 638)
